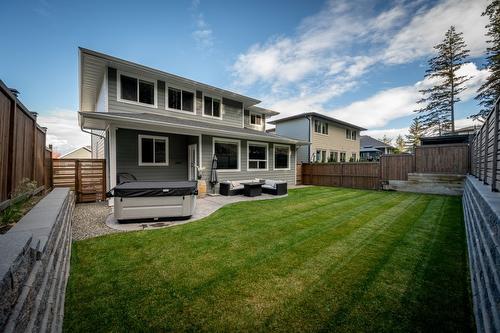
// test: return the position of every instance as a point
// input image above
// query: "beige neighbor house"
(332, 140)
(82, 152)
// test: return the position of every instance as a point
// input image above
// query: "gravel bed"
(89, 220)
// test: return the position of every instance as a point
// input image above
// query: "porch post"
(112, 160)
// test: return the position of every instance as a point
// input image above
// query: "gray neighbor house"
(160, 126)
(372, 149)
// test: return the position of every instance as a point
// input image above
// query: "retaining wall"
(34, 266)
(482, 219)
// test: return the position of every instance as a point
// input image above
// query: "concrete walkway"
(204, 207)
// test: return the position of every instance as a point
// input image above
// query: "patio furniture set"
(253, 188)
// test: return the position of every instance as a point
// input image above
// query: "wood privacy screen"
(355, 175)
(485, 153)
(87, 177)
(22, 146)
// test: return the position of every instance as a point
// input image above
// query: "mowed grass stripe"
(331, 264)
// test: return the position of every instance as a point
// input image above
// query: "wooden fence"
(87, 177)
(485, 152)
(22, 149)
(355, 175)
(447, 159)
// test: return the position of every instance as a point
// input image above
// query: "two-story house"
(332, 140)
(159, 126)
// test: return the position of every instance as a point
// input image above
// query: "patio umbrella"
(213, 173)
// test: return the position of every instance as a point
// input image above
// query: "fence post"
(12, 143)
(485, 168)
(495, 151)
(77, 180)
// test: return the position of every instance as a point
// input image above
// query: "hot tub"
(154, 199)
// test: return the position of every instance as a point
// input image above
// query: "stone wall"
(34, 266)
(482, 218)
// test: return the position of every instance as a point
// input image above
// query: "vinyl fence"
(22, 146)
(485, 153)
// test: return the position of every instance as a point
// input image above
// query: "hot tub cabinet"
(154, 200)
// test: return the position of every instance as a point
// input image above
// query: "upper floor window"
(180, 99)
(212, 107)
(137, 90)
(350, 134)
(256, 119)
(320, 127)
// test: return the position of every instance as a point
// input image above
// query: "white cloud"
(63, 131)
(331, 51)
(203, 35)
(386, 105)
(392, 133)
(427, 28)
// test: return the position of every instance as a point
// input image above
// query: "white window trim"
(224, 140)
(137, 77)
(203, 106)
(289, 156)
(181, 89)
(256, 143)
(350, 136)
(258, 115)
(319, 133)
(142, 136)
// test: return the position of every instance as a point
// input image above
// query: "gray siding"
(297, 129)
(127, 150)
(231, 110)
(254, 127)
(286, 175)
(97, 144)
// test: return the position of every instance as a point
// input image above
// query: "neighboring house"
(160, 126)
(80, 153)
(332, 140)
(469, 130)
(372, 149)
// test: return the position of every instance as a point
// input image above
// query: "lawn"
(321, 259)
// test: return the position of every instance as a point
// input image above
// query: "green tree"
(438, 112)
(490, 90)
(400, 144)
(415, 133)
(385, 139)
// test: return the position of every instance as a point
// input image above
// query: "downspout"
(309, 139)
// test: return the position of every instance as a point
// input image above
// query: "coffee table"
(252, 189)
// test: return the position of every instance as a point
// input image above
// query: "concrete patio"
(204, 207)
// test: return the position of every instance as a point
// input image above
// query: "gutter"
(194, 128)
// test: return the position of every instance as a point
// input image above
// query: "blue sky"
(360, 61)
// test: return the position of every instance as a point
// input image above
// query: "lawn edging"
(34, 266)
(482, 220)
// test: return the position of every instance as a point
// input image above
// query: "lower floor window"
(257, 156)
(333, 157)
(281, 157)
(227, 153)
(353, 157)
(153, 150)
(342, 157)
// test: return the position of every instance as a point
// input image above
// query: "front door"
(192, 161)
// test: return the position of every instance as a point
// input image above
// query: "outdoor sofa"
(275, 187)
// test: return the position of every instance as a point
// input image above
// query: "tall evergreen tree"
(439, 100)
(490, 90)
(387, 140)
(400, 144)
(415, 132)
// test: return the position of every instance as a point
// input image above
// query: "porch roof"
(101, 120)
